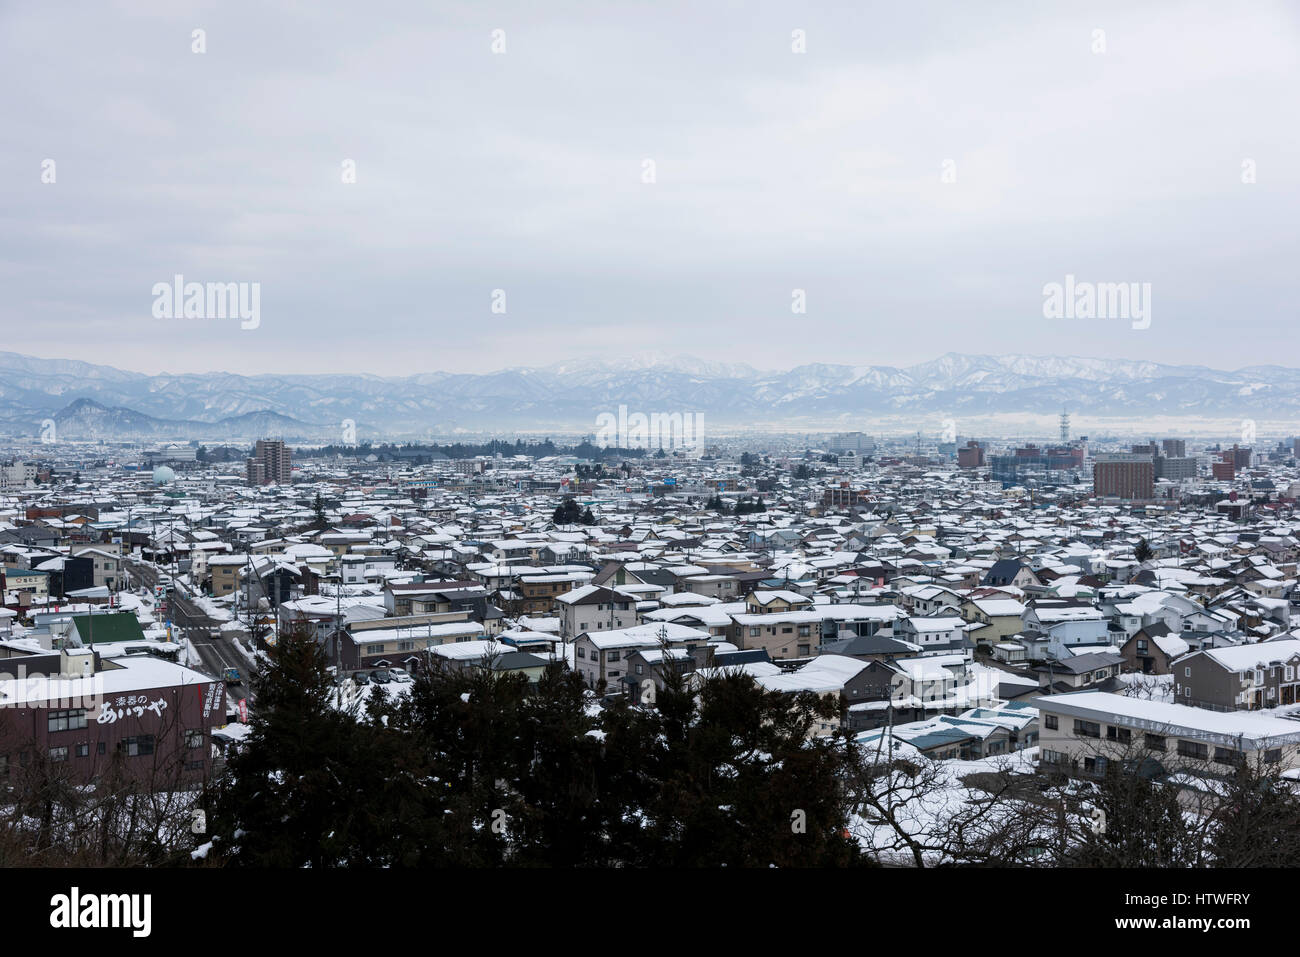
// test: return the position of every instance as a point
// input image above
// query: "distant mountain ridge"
(570, 395)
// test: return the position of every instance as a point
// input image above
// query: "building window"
(1088, 729)
(1122, 735)
(58, 754)
(193, 739)
(1193, 749)
(1226, 756)
(72, 720)
(1050, 722)
(83, 750)
(137, 746)
(612, 656)
(1272, 755)
(1155, 742)
(639, 669)
(582, 652)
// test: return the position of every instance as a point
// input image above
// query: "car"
(401, 675)
(381, 676)
(361, 678)
(232, 676)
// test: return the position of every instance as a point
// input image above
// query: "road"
(216, 654)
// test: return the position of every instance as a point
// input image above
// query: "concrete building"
(1084, 731)
(270, 463)
(1123, 475)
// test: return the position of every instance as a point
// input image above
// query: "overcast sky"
(523, 171)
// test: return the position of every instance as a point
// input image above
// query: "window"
(66, 720)
(193, 765)
(1089, 729)
(83, 750)
(582, 652)
(1122, 735)
(1193, 749)
(193, 739)
(1155, 742)
(1271, 756)
(137, 746)
(612, 656)
(1226, 755)
(755, 631)
(614, 674)
(58, 754)
(101, 748)
(640, 669)
(1051, 722)
(1187, 672)
(1290, 673)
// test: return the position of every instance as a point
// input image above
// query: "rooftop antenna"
(1065, 427)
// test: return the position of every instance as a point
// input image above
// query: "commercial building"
(1083, 731)
(149, 719)
(1123, 475)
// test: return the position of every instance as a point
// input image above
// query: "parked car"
(400, 675)
(381, 676)
(361, 678)
(232, 676)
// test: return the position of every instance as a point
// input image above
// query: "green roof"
(108, 629)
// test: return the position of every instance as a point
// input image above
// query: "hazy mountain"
(570, 395)
(87, 419)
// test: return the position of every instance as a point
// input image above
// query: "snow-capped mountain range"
(570, 395)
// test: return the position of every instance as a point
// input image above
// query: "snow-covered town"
(971, 623)
(444, 444)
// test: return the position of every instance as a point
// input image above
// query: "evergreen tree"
(316, 785)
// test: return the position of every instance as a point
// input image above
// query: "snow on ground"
(926, 813)
(1149, 687)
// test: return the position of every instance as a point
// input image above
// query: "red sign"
(243, 711)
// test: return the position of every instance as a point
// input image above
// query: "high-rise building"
(970, 456)
(270, 463)
(1237, 456)
(852, 442)
(1175, 468)
(1175, 448)
(1123, 475)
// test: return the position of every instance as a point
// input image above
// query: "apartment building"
(1129, 476)
(269, 464)
(1240, 677)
